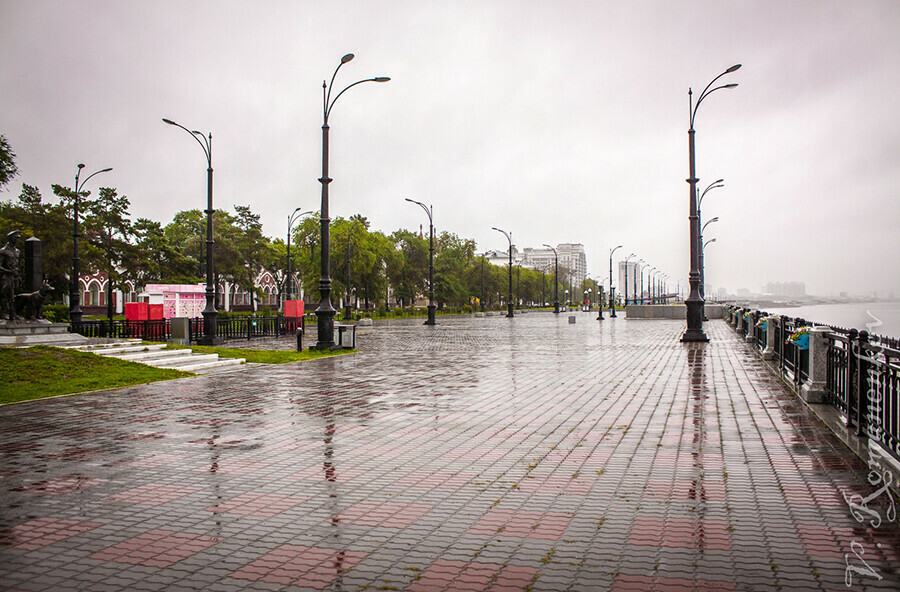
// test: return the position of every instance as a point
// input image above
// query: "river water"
(880, 318)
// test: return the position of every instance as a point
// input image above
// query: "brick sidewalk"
(481, 454)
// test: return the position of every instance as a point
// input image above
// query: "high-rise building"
(634, 282)
(571, 260)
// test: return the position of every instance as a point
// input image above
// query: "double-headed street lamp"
(509, 302)
(626, 277)
(555, 279)
(74, 292)
(325, 312)
(702, 287)
(429, 210)
(703, 268)
(634, 279)
(289, 279)
(210, 322)
(694, 331)
(612, 290)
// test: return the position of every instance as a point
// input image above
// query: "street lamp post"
(634, 279)
(612, 289)
(347, 305)
(325, 311)
(429, 210)
(600, 303)
(626, 277)
(650, 285)
(75, 312)
(509, 302)
(555, 279)
(289, 280)
(210, 321)
(482, 283)
(694, 331)
(703, 271)
(702, 287)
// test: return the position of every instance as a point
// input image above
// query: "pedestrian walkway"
(480, 454)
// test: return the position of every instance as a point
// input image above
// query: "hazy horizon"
(560, 122)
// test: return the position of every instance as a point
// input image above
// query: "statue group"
(25, 305)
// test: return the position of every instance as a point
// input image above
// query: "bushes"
(56, 313)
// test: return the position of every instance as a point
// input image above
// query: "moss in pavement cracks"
(43, 371)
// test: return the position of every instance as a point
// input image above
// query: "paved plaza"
(480, 454)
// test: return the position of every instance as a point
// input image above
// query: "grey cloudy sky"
(560, 121)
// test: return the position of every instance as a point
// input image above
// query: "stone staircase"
(133, 350)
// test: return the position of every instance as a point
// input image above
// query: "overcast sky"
(559, 121)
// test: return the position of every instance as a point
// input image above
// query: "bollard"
(751, 327)
(299, 339)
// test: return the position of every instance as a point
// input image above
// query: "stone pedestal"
(771, 327)
(751, 328)
(40, 332)
(814, 389)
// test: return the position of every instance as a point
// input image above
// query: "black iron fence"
(238, 327)
(861, 371)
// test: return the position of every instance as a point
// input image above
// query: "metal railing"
(862, 378)
(238, 327)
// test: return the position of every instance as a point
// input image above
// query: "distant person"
(9, 274)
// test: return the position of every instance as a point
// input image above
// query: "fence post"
(850, 377)
(751, 327)
(814, 389)
(862, 375)
(771, 326)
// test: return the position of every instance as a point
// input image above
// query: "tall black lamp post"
(634, 280)
(289, 279)
(509, 301)
(74, 293)
(702, 286)
(555, 279)
(325, 312)
(612, 289)
(210, 323)
(694, 331)
(600, 303)
(626, 277)
(429, 210)
(703, 273)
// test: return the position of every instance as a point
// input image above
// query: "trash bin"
(345, 336)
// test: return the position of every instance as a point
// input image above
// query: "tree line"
(383, 268)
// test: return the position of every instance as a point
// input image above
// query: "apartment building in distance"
(571, 257)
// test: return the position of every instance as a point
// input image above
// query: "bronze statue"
(9, 275)
(31, 304)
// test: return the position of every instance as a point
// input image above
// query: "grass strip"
(42, 371)
(263, 356)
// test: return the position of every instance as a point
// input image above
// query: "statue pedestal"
(40, 332)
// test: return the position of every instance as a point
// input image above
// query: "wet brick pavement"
(481, 454)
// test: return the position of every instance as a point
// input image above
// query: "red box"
(136, 311)
(155, 312)
(293, 308)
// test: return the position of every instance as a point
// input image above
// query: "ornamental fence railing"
(856, 373)
(238, 327)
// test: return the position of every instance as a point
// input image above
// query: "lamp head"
(349, 57)
(733, 68)
(732, 85)
(169, 121)
(105, 170)
(381, 79)
(80, 165)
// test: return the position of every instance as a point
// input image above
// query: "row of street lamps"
(325, 312)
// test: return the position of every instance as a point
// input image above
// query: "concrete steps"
(156, 355)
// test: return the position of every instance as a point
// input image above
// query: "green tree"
(159, 260)
(452, 258)
(108, 230)
(407, 265)
(8, 168)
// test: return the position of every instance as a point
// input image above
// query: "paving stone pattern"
(481, 454)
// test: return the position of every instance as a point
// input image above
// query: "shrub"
(56, 313)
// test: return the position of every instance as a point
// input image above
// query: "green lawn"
(263, 356)
(41, 371)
